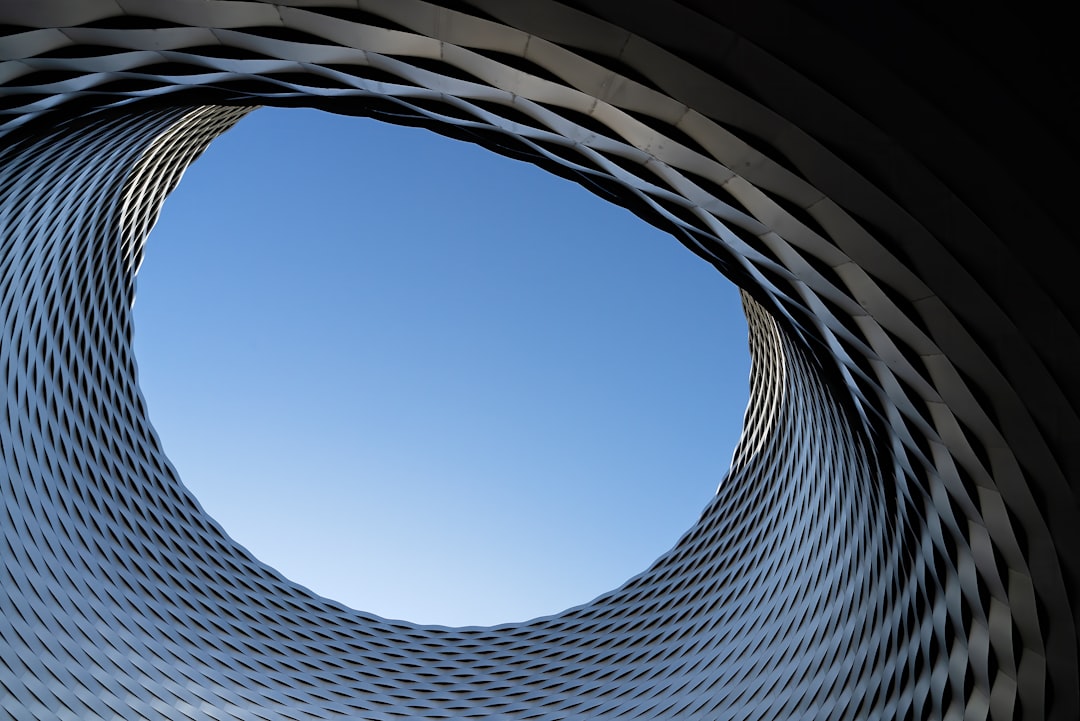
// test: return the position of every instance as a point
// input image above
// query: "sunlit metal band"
(892, 540)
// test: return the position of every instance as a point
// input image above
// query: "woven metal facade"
(896, 536)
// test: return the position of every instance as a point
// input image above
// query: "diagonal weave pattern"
(882, 547)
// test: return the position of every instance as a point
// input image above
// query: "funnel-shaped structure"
(896, 536)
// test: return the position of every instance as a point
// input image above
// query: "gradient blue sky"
(428, 381)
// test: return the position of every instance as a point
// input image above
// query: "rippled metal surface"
(890, 542)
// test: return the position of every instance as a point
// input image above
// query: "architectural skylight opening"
(428, 381)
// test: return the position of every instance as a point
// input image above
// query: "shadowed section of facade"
(890, 541)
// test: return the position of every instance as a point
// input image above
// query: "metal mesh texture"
(887, 544)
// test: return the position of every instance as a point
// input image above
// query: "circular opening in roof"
(428, 381)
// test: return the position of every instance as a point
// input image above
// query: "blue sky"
(428, 381)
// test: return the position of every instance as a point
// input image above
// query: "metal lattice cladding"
(896, 536)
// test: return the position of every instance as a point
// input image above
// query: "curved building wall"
(893, 538)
